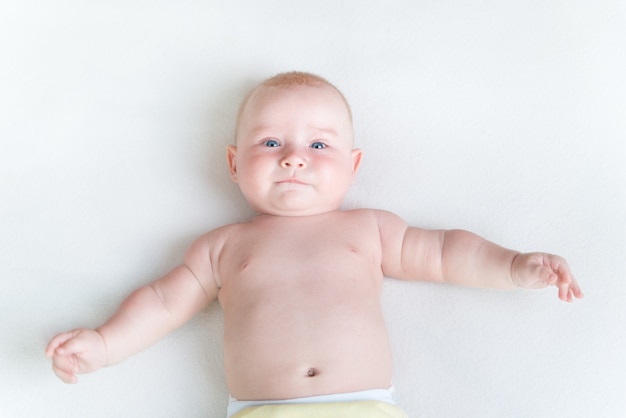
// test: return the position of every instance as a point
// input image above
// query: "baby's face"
(293, 155)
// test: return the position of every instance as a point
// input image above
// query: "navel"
(311, 372)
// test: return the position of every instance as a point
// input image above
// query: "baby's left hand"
(539, 270)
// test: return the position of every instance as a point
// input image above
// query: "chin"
(295, 211)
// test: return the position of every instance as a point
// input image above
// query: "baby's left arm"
(463, 258)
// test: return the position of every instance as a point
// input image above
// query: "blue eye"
(318, 145)
(271, 143)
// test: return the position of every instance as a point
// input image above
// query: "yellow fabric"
(357, 409)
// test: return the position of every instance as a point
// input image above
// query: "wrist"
(513, 269)
(104, 345)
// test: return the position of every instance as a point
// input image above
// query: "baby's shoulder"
(207, 249)
(217, 236)
(375, 215)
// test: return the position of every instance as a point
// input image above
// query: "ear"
(231, 158)
(356, 161)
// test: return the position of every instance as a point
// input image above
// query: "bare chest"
(301, 252)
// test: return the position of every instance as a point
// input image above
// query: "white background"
(507, 118)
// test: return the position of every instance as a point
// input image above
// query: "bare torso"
(301, 301)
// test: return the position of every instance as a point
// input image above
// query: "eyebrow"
(329, 131)
(263, 128)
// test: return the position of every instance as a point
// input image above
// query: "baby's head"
(293, 152)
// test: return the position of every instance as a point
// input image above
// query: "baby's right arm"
(144, 317)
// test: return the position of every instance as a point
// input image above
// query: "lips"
(291, 181)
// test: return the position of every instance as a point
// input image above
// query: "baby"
(300, 283)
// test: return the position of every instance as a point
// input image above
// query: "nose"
(292, 159)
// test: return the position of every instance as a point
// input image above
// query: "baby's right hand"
(77, 351)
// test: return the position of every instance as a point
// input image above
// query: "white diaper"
(382, 395)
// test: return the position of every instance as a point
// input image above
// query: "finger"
(561, 267)
(65, 367)
(575, 288)
(578, 293)
(566, 293)
(57, 341)
(568, 287)
(563, 292)
(65, 376)
(73, 345)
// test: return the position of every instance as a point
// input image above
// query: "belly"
(281, 346)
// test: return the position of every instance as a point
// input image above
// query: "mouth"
(291, 181)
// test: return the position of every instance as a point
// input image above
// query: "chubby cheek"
(337, 174)
(253, 173)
